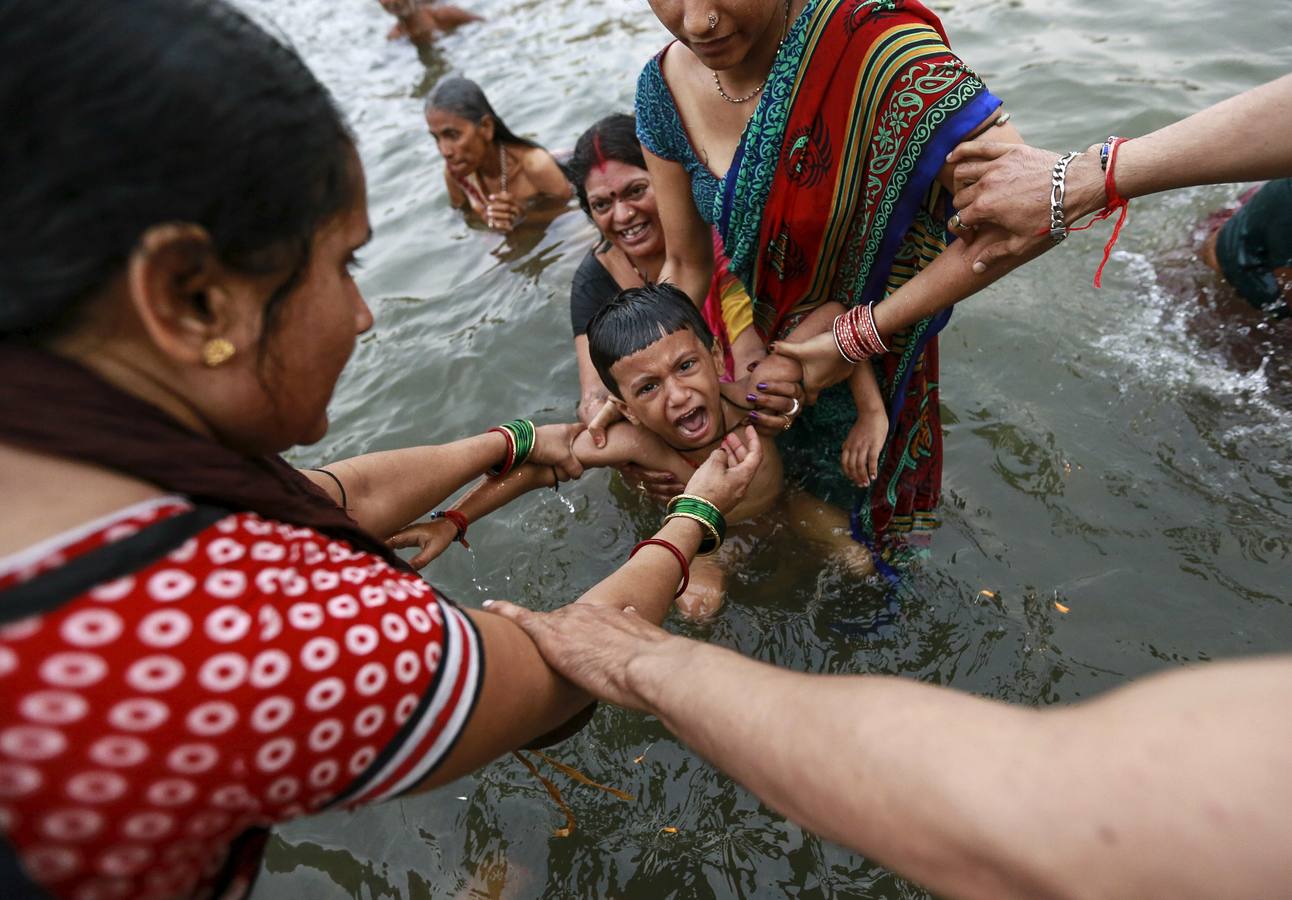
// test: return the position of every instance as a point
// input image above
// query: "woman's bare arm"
(1244, 138)
(688, 241)
(1174, 786)
(521, 697)
(390, 488)
(546, 176)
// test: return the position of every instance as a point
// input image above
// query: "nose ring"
(713, 21)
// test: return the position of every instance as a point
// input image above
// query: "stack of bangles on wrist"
(855, 335)
(459, 520)
(689, 506)
(520, 441)
(681, 559)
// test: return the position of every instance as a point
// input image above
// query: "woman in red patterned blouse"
(197, 641)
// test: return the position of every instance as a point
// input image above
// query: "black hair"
(124, 114)
(462, 97)
(614, 137)
(636, 318)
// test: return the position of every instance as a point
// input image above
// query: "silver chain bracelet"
(1058, 177)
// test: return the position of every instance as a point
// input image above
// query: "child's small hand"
(432, 537)
(603, 419)
(655, 483)
(863, 445)
(726, 474)
(590, 404)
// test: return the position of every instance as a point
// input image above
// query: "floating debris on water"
(555, 793)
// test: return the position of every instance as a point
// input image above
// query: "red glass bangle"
(506, 466)
(681, 558)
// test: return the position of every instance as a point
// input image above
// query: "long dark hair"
(614, 137)
(462, 97)
(123, 114)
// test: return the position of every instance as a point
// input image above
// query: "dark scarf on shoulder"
(53, 405)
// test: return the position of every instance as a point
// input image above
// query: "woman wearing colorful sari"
(831, 121)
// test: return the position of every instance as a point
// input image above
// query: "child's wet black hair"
(637, 318)
(124, 114)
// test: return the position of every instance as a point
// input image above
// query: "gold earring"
(217, 352)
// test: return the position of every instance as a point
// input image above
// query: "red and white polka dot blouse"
(254, 672)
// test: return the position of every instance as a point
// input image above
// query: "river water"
(1121, 453)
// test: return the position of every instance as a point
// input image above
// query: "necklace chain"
(745, 99)
(785, 29)
(640, 274)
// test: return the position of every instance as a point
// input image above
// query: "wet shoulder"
(659, 125)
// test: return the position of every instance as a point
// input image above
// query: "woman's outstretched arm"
(1244, 138)
(688, 240)
(947, 280)
(384, 491)
(521, 697)
(1174, 786)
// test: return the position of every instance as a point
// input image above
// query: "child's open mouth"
(694, 424)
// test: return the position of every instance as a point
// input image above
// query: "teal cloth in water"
(1256, 241)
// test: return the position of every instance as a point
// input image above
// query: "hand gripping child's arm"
(489, 494)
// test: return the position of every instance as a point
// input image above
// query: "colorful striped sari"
(833, 195)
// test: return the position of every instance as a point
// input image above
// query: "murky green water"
(1123, 451)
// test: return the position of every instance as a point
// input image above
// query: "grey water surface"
(1122, 452)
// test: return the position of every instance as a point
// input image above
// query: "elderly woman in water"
(198, 640)
(501, 177)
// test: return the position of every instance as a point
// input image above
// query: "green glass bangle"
(711, 540)
(524, 432)
(703, 509)
(520, 442)
(709, 516)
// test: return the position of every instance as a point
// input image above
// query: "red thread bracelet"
(681, 558)
(459, 520)
(1114, 201)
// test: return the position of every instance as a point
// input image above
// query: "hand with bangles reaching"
(820, 359)
(553, 448)
(675, 416)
